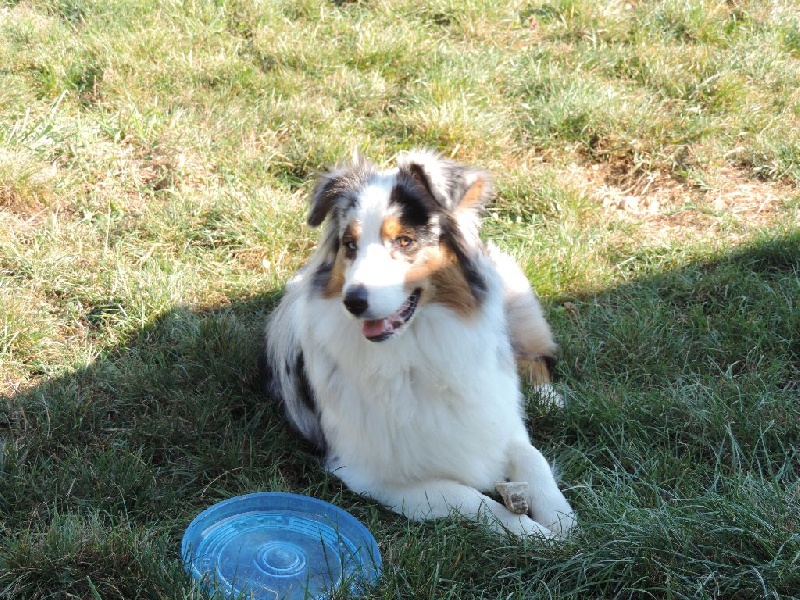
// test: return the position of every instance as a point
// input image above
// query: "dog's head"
(400, 239)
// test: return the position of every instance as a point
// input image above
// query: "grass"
(155, 159)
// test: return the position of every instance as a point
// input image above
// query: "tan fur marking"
(391, 228)
(336, 281)
(531, 338)
(472, 199)
(534, 371)
(353, 231)
(436, 272)
(333, 288)
(452, 289)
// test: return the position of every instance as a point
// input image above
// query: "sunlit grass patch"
(155, 163)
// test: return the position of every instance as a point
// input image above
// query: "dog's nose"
(355, 300)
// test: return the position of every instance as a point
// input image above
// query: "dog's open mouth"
(382, 329)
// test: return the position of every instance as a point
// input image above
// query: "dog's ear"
(334, 186)
(323, 198)
(454, 186)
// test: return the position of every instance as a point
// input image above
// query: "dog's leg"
(440, 498)
(547, 504)
(536, 371)
(531, 337)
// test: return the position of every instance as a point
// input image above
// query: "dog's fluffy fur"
(394, 348)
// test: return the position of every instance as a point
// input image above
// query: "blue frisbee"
(271, 546)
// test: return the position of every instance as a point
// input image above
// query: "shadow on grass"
(102, 469)
(682, 385)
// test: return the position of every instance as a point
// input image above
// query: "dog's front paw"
(524, 526)
(564, 524)
(555, 512)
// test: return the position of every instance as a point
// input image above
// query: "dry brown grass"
(729, 208)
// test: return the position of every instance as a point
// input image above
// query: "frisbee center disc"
(281, 559)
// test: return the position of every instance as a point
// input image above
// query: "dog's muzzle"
(378, 330)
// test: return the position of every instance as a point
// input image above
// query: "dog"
(395, 349)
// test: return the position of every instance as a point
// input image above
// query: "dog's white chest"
(425, 422)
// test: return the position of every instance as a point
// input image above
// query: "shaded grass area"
(154, 163)
(679, 446)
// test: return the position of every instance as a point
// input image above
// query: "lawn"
(155, 163)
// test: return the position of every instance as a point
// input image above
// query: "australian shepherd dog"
(395, 349)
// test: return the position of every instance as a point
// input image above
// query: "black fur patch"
(336, 187)
(308, 399)
(414, 207)
(417, 173)
(451, 237)
(303, 386)
(455, 185)
(550, 362)
(322, 276)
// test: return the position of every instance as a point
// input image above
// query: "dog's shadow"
(173, 420)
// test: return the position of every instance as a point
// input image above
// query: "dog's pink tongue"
(372, 329)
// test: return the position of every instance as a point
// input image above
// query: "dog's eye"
(403, 241)
(350, 247)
